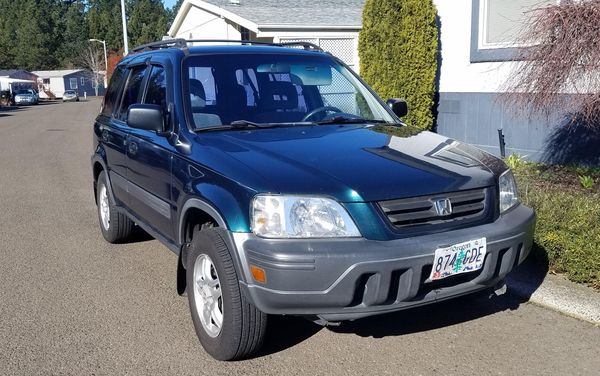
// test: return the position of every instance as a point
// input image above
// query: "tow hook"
(500, 288)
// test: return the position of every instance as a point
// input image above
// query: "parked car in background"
(35, 94)
(70, 96)
(26, 97)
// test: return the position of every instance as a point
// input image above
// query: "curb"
(557, 293)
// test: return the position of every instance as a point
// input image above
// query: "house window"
(82, 81)
(73, 83)
(46, 81)
(496, 25)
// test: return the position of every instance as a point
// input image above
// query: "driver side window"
(133, 90)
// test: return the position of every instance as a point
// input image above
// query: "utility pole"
(124, 17)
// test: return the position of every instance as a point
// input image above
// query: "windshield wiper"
(348, 120)
(247, 123)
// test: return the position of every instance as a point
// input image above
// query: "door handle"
(132, 148)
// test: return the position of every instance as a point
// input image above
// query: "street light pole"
(105, 60)
(124, 17)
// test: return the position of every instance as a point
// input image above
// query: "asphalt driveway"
(72, 304)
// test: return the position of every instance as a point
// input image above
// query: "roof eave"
(308, 27)
(211, 8)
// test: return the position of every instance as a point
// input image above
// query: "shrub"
(586, 181)
(398, 49)
(568, 218)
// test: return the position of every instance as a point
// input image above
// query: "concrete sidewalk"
(555, 292)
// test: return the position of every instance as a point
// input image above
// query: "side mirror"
(146, 116)
(398, 106)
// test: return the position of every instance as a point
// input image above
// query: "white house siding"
(458, 75)
(200, 24)
(469, 108)
(207, 23)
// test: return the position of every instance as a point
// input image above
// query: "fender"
(226, 234)
(205, 207)
(98, 158)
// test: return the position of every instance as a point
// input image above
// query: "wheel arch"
(99, 166)
(194, 213)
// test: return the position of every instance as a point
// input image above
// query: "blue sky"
(169, 3)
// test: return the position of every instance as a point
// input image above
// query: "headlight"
(508, 191)
(276, 216)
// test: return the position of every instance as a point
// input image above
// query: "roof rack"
(173, 43)
(183, 44)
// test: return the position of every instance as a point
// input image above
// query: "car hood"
(352, 163)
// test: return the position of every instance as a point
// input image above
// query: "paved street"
(72, 304)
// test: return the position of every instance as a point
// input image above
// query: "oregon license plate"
(459, 258)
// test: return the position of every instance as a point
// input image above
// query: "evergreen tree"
(74, 35)
(8, 29)
(53, 34)
(398, 49)
(172, 12)
(35, 41)
(104, 22)
(147, 21)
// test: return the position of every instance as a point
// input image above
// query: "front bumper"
(346, 279)
(24, 101)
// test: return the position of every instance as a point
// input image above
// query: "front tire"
(228, 326)
(116, 227)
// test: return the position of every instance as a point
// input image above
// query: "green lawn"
(568, 227)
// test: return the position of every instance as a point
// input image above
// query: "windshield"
(22, 92)
(275, 88)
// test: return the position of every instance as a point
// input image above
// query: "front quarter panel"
(226, 197)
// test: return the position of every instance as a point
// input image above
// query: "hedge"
(398, 50)
(568, 224)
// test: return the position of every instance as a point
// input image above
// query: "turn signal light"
(258, 274)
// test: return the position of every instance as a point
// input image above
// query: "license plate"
(459, 258)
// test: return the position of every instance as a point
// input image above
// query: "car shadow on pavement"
(431, 317)
(284, 332)
(138, 235)
(4, 109)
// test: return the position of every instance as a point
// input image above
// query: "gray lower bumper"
(344, 279)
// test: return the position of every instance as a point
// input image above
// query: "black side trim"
(158, 205)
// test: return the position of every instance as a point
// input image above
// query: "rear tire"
(115, 227)
(228, 326)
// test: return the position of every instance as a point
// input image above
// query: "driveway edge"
(557, 293)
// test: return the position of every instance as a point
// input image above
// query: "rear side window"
(157, 87)
(110, 99)
(133, 90)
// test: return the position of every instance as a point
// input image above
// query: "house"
(55, 82)
(18, 74)
(334, 26)
(479, 49)
(13, 80)
(478, 45)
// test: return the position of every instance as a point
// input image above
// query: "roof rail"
(176, 43)
(183, 44)
(305, 45)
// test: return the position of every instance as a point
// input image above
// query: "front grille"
(467, 207)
